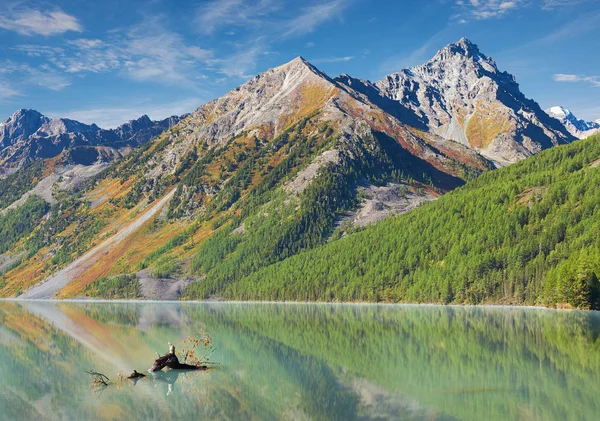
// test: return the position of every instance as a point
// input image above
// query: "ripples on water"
(301, 362)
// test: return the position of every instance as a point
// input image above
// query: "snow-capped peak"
(578, 128)
(559, 111)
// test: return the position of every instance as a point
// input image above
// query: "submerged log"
(171, 361)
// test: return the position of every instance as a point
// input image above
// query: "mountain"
(578, 128)
(461, 95)
(290, 161)
(27, 135)
(20, 126)
(291, 143)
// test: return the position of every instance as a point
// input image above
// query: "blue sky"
(110, 61)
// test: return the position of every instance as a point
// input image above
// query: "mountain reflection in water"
(300, 362)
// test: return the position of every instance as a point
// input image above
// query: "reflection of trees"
(461, 360)
(307, 360)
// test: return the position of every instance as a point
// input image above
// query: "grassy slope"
(526, 234)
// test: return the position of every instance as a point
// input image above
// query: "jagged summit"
(463, 47)
(578, 128)
(558, 110)
(20, 125)
(298, 64)
(461, 95)
(61, 126)
(264, 101)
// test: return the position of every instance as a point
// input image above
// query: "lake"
(300, 362)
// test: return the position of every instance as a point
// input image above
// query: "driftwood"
(99, 379)
(135, 375)
(171, 361)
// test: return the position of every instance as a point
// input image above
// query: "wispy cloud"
(312, 17)
(7, 91)
(553, 4)
(570, 78)
(44, 76)
(28, 21)
(157, 54)
(241, 64)
(486, 9)
(470, 10)
(417, 56)
(584, 23)
(331, 59)
(241, 13)
(145, 52)
(110, 117)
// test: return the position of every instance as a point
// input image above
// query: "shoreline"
(185, 302)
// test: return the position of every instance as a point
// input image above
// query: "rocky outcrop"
(20, 126)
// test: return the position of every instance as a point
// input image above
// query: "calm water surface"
(301, 362)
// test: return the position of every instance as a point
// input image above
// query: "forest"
(525, 234)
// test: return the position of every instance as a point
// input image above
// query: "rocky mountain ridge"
(460, 95)
(27, 135)
(578, 128)
(288, 161)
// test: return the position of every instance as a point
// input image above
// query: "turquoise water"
(300, 362)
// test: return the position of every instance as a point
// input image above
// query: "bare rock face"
(62, 126)
(20, 126)
(275, 100)
(578, 128)
(461, 95)
(266, 100)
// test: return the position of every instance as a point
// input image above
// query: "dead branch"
(99, 379)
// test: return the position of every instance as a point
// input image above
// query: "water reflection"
(316, 362)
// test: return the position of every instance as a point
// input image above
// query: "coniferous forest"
(525, 234)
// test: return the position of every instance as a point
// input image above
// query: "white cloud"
(111, 117)
(553, 4)
(47, 78)
(396, 63)
(44, 76)
(241, 64)
(28, 21)
(331, 59)
(152, 53)
(311, 17)
(147, 52)
(241, 13)
(593, 80)
(486, 9)
(7, 91)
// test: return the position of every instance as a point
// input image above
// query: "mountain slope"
(578, 128)
(286, 162)
(291, 144)
(461, 95)
(526, 234)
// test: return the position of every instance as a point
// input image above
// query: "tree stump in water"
(171, 361)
